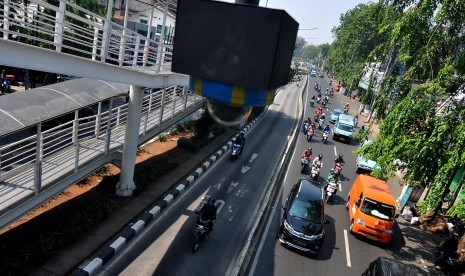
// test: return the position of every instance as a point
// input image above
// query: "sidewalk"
(67, 261)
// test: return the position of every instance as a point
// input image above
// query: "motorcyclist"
(339, 159)
(208, 213)
(326, 129)
(448, 248)
(331, 175)
(318, 161)
(346, 109)
(240, 140)
(307, 153)
(322, 117)
(362, 129)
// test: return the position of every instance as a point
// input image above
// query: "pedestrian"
(361, 108)
(356, 120)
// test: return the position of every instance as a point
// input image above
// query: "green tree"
(355, 39)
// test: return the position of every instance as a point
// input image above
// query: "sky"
(321, 14)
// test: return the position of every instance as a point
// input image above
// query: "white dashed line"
(347, 248)
(340, 187)
(335, 151)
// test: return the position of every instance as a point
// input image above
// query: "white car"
(363, 164)
(313, 73)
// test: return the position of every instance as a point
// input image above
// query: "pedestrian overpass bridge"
(67, 39)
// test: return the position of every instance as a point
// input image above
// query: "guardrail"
(32, 165)
(70, 29)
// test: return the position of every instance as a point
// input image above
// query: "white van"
(344, 128)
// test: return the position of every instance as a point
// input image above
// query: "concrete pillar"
(126, 186)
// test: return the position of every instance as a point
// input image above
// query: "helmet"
(211, 200)
(320, 156)
(309, 149)
(242, 133)
(340, 156)
(323, 114)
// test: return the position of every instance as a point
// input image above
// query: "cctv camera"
(228, 115)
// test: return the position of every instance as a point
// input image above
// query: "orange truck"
(372, 210)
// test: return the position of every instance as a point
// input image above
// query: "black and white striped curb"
(131, 231)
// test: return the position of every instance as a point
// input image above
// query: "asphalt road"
(341, 253)
(164, 247)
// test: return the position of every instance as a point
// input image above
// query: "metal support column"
(162, 107)
(98, 119)
(39, 160)
(106, 32)
(122, 45)
(126, 185)
(108, 130)
(147, 43)
(6, 19)
(161, 46)
(75, 140)
(60, 19)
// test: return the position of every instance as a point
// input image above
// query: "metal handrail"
(80, 32)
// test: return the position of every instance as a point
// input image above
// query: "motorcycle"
(312, 103)
(305, 127)
(337, 169)
(331, 92)
(318, 99)
(304, 164)
(315, 172)
(201, 232)
(450, 264)
(235, 151)
(320, 124)
(309, 135)
(330, 189)
(325, 137)
(5, 86)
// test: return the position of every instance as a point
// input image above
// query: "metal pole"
(126, 185)
(106, 32)
(122, 46)
(162, 107)
(98, 119)
(75, 140)
(147, 43)
(108, 132)
(60, 18)
(6, 19)
(162, 38)
(39, 160)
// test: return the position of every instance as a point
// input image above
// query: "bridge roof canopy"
(24, 109)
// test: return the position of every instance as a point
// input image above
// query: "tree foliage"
(427, 40)
(355, 39)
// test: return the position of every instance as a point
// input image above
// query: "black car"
(302, 225)
(385, 266)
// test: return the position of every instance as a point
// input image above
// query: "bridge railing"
(70, 29)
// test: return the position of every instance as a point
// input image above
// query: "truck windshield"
(378, 209)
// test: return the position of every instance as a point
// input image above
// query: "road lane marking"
(232, 186)
(335, 151)
(221, 203)
(347, 248)
(252, 158)
(267, 228)
(340, 188)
